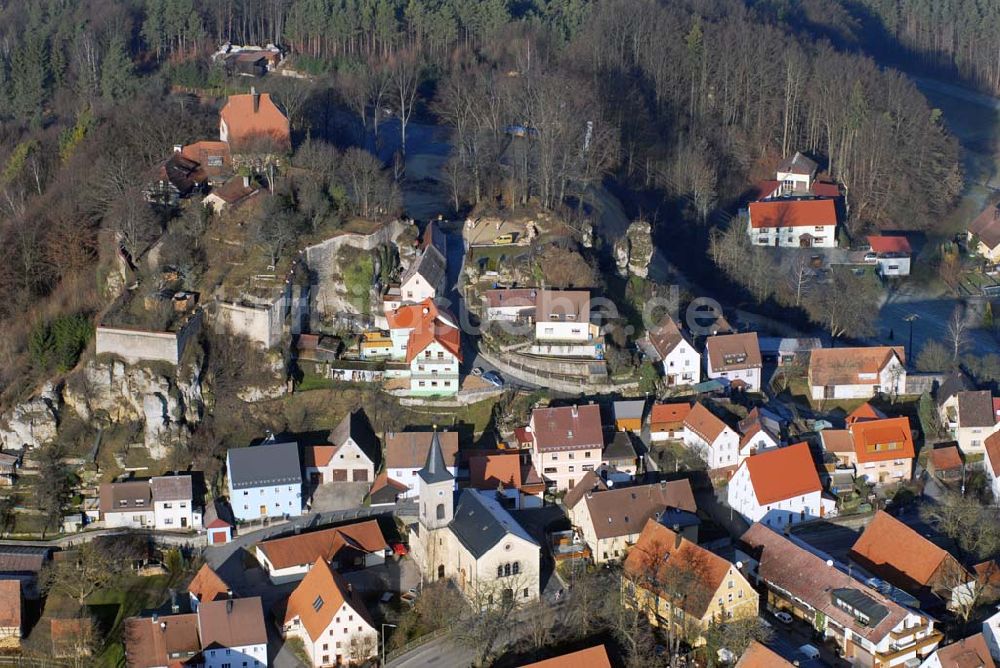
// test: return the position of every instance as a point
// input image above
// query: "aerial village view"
(472, 333)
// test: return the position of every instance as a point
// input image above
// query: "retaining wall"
(140, 345)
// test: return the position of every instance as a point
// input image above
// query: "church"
(474, 540)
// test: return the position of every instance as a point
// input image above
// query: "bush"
(59, 343)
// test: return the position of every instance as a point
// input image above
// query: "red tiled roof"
(207, 585)
(248, 120)
(592, 657)
(426, 326)
(986, 226)
(882, 440)
(843, 366)
(759, 656)
(792, 213)
(782, 473)
(971, 652)
(10, 603)
(669, 415)
(825, 189)
(704, 423)
(326, 544)
(895, 552)
(882, 244)
(946, 458)
(567, 427)
(992, 447)
(864, 412)
(733, 352)
(765, 189)
(323, 585)
(506, 468)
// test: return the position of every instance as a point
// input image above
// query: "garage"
(360, 475)
(338, 475)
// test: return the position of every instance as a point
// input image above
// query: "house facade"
(666, 421)
(735, 358)
(856, 373)
(232, 633)
(884, 450)
(427, 339)
(984, 233)
(563, 316)
(793, 223)
(892, 255)
(715, 441)
(264, 481)
(973, 419)
(678, 584)
(567, 442)
(330, 619)
(350, 547)
(406, 452)
(353, 454)
(868, 628)
(779, 487)
(680, 361)
(174, 504)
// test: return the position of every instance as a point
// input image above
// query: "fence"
(415, 643)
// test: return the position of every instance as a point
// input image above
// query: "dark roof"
(480, 522)
(590, 482)
(435, 470)
(957, 381)
(233, 622)
(355, 426)
(861, 602)
(798, 164)
(126, 497)
(630, 409)
(621, 447)
(22, 558)
(171, 488)
(986, 226)
(975, 409)
(430, 264)
(264, 465)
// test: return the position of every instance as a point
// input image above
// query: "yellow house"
(674, 581)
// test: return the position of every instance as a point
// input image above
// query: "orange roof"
(971, 652)
(318, 456)
(782, 473)
(488, 471)
(319, 597)
(668, 414)
(704, 423)
(844, 366)
(760, 656)
(207, 585)
(592, 657)
(864, 412)
(425, 325)
(660, 553)
(383, 480)
(792, 213)
(946, 458)
(882, 440)
(897, 553)
(249, 117)
(326, 544)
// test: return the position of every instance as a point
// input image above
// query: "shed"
(629, 414)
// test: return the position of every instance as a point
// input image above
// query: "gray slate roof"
(355, 426)
(264, 465)
(480, 522)
(431, 265)
(630, 409)
(798, 164)
(975, 409)
(435, 470)
(621, 447)
(957, 381)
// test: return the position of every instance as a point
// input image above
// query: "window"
(168, 505)
(517, 567)
(184, 504)
(572, 468)
(506, 570)
(499, 571)
(168, 520)
(526, 592)
(318, 603)
(571, 455)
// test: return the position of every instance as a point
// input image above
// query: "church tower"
(436, 489)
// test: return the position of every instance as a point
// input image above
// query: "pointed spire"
(435, 470)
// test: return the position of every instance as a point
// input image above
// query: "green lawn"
(111, 607)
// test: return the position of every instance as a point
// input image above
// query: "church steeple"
(436, 488)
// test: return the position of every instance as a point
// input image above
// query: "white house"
(406, 452)
(681, 362)
(795, 174)
(779, 487)
(232, 633)
(716, 441)
(510, 304)
(426, 276)
(173, 503)
(163, 502)
(736, 359)
(427, 339)
(330, 619)
(892, 255)
(563, 316)
(793, 223)
(265, 481)
(975, 417)
(350, 547)
(856, 373)
(353, 453)
(755, 439)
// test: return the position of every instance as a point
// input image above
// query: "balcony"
(897, 650)
(908, 632)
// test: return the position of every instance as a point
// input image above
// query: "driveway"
(339, 496)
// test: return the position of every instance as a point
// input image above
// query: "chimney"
(178, 148)
(246, 181)
(175, 607)
(256, 99)
(350, 588)
(156, 617)
(229, 606)
(576, 411)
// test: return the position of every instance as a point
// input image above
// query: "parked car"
(477, 371)
(783, 617)
(871, 256)
(809, 651)
(493, 378)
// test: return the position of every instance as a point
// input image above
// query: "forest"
(687, 102)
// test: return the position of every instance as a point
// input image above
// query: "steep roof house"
(884, 450)
(984, 233)
(779, 487)
(970, 652)
(406, 451)
(736, 358)
(868, 628)
(265, 481)
(666, 421)
(330, 618)
(353, 454)
(856, 373)
(716, 441)
(509, 473)
(425, 277)
(665, 569)
(253, 123)
(975, 418)
(681, 362)
(902, 557)
(611, 520)
(760, 656)
(232, 631)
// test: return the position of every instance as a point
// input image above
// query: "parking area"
(788, 639)
(338, 496)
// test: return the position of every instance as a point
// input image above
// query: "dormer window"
(318, 603)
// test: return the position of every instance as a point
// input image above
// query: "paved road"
(439, 653)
